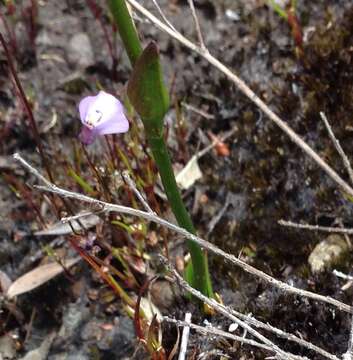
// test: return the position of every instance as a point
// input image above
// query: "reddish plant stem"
(137, 317)
(33, 125)
(33, 13)
(296, 29)
(27, 107)
(29, 14)
(110, 150)
(98, 176)
(105, 276)
(25, 194)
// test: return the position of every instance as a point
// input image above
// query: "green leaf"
(147, 92)
(278, 9)
(80, 181)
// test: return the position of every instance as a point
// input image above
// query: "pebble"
(79, 51)
(328, 253)
(7, 347)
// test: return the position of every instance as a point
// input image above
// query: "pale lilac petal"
(87, 136)
(101, 115)
(84, 105)
(119, 124)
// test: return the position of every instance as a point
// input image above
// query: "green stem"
(200, 274)
(197, 272)
(127, 29)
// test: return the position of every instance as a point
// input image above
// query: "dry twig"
(338, 147)
(220, 308)
(152, 217)
(185, 337)
(104, 206)
(280, 333)
(198, 111)
(132, 185)
(337, 230)
(211, 354)
(247, 92)
(214, 143)
(342, 275)
(161, 12)
(197, 26)
(210, 330)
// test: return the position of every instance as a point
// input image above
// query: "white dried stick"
(225, 311)
(185, 337)
(210, 330)
(247, 92)
(328, 229)
(104, 206)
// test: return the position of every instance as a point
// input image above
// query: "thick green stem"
(127, 29)
(200, 274)
(197, 272)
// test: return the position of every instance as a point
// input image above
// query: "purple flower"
(102, 114)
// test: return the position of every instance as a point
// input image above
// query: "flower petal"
(101, 115)
(119, 124)
(84, 106)
(113, 119)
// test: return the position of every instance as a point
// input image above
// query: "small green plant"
(149, 97)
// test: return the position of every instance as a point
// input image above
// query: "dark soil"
(264, 179)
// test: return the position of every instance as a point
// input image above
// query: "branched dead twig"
(220, 308)
(214, 143)
(210, 330)
(247, 92)
(108, 207)
(280, 333)
(152, 217)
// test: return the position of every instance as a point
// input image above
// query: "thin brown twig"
(97, 13)
(108, 207)
(198, 111)
(215, 142)
(338, 147)
(27, 107)
(248, 93)
(197, 26)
